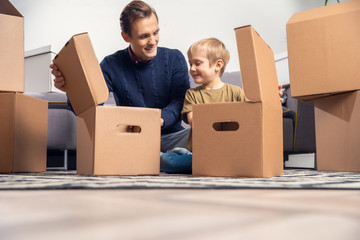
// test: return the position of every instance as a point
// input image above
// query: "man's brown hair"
(134, 10)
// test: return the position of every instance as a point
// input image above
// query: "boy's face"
(144, 37)
(201, 70)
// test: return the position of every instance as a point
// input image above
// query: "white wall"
(182, 22)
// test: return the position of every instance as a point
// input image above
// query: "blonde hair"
(214, 50)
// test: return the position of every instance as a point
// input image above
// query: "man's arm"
(179, 84)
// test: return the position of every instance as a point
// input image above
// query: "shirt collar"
(135, 59)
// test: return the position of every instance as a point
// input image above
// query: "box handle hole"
(225, 126)
(125, 128)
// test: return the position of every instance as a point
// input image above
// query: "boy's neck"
(217, 84)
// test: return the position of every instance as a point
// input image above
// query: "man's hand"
(162, 122)
(59, 81)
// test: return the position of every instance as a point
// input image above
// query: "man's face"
(144, 37)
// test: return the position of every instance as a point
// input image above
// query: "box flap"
(330, 10)
(85, 83)
(315, 97)
(258, 70)
(7, 8)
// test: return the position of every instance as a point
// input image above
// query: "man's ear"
(219, 64)
(125, 37)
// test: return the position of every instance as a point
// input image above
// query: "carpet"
(292, 179)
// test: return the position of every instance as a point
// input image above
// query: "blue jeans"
(172, 162)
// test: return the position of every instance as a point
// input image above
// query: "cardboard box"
(11, 48)
(243, 139)
(23, 133)
(38, 77)
(324, 50)
(105, 143)
(337, 128)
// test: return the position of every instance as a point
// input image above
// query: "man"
(145, 75)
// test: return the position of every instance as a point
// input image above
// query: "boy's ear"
(219, 64)
(125, 37)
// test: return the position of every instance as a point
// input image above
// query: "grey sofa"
(299, 119)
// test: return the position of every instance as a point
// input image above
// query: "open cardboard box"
(324, 50)
(105, 144)
(243, 139)
(23, 133)
(11, 48)
(337, 119)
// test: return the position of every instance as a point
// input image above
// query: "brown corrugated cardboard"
(110, 149)
(85, 83)
(337, 128)
(23, 133)
(11, 48)
(105, 146)
(324, 50)
(253, 146)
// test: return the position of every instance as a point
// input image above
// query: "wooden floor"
(180, 214)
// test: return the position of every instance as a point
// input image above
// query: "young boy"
(208, 59)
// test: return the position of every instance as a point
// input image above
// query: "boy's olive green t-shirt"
(227, 93)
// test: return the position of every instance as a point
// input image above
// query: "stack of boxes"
(23, 119)
(324, 62)
(111, 140)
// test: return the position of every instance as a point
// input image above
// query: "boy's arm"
(189, 116)
(186, 113)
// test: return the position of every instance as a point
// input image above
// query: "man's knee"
(177, 139)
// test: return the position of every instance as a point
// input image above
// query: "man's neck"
(135, 59)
